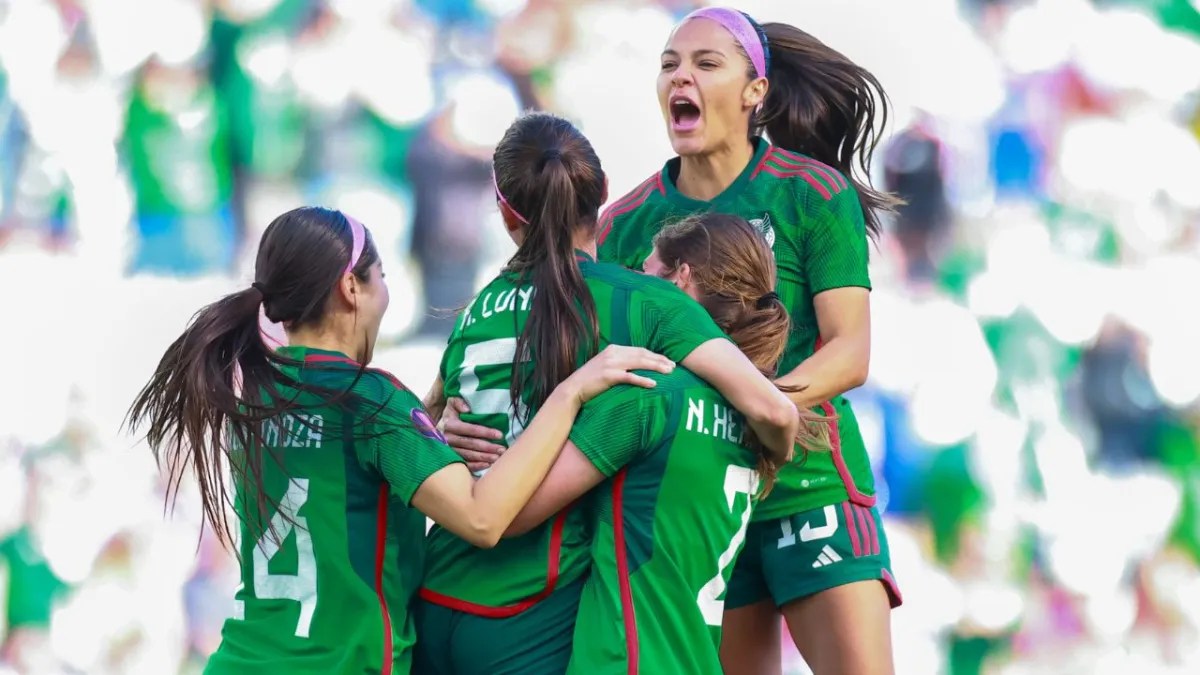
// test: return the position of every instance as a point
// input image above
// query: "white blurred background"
(1032, 404)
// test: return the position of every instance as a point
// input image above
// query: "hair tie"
(262, 290)
(766, 300)
(358, 240)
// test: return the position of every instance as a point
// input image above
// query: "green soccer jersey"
(670, 522)
(327, 580)
(810, 216)
(631, 309)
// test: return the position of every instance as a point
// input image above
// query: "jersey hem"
(511, 610)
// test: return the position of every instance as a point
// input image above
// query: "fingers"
(468, 430)
(458, 405)
(476, 459)
(477, 467)
(623, 377)
(464, 444)
(636, 358)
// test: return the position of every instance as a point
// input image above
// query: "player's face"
(705, 96)
(680, 276)
(373, 302)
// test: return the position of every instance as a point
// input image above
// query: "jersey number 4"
(301, 586)
(738, 480)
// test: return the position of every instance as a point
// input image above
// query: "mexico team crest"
(425, 426)
(763, 225)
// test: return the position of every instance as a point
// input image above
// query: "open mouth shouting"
(685, 114)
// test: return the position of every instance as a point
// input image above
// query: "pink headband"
(743, 31)
(359, 239)
(500, 196)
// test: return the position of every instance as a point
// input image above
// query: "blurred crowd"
(1033, 400)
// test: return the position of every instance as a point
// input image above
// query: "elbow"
(484, 533)
(859, 372)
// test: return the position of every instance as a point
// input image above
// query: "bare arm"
(569, 479)
(481, 510)
(842, 362)
(768, 411)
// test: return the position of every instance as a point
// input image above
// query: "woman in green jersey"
(334, 465)
(816, 551)
(512, 609)
(678, 476)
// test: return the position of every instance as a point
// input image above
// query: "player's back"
(332, 550)
(669, 524)
(631, 309)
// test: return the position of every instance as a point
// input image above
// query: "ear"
(604, 195)
(755, 93)
(348, 289)
(683, 276)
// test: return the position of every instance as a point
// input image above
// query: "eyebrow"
(696, 53)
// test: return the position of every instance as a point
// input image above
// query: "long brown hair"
(734, 270)
(198, 414)
(822, 104)
(547, 171)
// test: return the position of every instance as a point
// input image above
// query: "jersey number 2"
(301, 586)
(738, 480)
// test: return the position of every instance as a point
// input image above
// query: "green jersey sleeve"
(405, 446)
(610, 428)
(835, 250)
(670, 322)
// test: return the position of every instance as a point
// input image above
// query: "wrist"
(568, 394)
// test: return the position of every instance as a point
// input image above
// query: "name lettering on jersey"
(492, 303)
(294, 431)
(726, 423)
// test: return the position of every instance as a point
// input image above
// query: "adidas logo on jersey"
(828, 556)
(763, 225)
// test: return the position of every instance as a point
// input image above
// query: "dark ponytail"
(548, 172)
(218, 382)
(734, 271)
(823, 105)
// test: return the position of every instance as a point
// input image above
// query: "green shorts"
(791, 558)
(534, 642)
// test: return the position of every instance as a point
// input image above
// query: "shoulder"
(640, 285)
(629, 204)
(804, 176)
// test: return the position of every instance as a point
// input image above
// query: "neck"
(586, 241)
(703, 177)
(327, 339)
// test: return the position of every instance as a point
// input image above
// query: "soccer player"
(333, 464)
(512, 609)
(679, 474)
(816, 549)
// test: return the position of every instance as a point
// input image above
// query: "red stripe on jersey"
(817, 170)
(835, 444)
(628, 615)
(853, 529)
(635, 198)
(785, 157)
(556, 536)
(803, 175)
(761, 162)
(381, 530)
